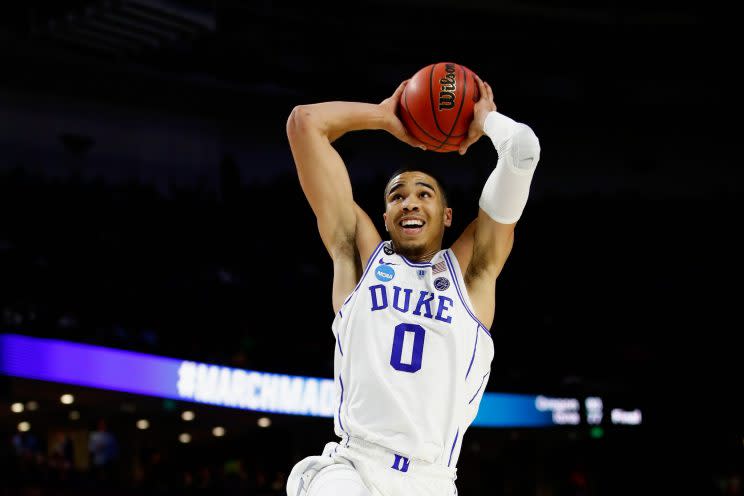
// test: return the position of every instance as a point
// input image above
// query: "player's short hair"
(417, 168)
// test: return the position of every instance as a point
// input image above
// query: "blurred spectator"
(730, 484)
(30, 460)
(280, 479)
(62, 459)
(156, 473)
(103, 448)
(204, 478)
(234, 474)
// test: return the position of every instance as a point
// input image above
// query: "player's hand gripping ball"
(436, 106)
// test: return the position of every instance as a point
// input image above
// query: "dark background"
(148, 198)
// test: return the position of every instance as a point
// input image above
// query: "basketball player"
(413, 348)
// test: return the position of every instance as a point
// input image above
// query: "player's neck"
(425, 254)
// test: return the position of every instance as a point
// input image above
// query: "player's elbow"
(527, 135)
(527, 147)
(300, 120)
(293, 120)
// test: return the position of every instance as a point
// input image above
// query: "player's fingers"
(402, 134)
(489, 91)
(481, 87)
(396, 94)
(414, 142)
(400, 88)
(466, 144)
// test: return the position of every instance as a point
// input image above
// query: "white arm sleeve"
(505, 194)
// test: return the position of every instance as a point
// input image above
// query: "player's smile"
(412, 226)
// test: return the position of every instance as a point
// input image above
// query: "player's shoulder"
(448, 258)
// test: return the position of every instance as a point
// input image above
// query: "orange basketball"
(436, 105)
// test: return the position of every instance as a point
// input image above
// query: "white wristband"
(505, 193)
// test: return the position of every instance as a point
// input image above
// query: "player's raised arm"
(311, 130)
(485, 246)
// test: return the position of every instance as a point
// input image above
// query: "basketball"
(436, 106)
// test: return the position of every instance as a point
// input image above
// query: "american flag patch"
(439, 267)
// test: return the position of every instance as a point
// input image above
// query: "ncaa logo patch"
(385, 273)
(441, 283)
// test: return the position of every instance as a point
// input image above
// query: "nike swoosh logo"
(383, 262)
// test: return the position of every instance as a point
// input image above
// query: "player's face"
(415, 215)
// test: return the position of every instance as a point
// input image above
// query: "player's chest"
(414, 292)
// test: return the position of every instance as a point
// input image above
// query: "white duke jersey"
(411, 359)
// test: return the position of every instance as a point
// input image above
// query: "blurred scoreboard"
(139, 373)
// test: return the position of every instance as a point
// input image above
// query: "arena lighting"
(143, 424)
(16, 407)
(264, 422)
(67, 399)
(24, 427)
(173, 379)
(185, 438)
(187, 415)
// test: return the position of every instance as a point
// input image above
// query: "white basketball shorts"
(357, 468)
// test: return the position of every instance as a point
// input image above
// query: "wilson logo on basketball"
(448, 87)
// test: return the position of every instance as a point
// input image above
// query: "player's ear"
(447, 217)
(384, 220)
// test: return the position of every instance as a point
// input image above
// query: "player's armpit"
(367, 237)
(345, 271)
(463, 247)
(492, 244)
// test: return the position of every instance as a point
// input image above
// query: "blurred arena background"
(148, 203)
